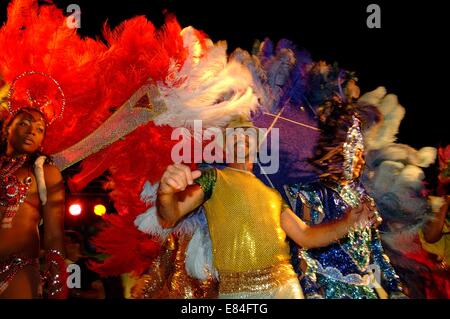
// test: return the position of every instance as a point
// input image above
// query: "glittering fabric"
(143, 106)
(256, 281)
(167, 278)
(353, 142)
(152, 285)
(390, 279)
(244, 219)
(181, 285)
(288, 290)
(10, 267)
(207, 181)
(12, 191)
(343, 269)
(338, 290)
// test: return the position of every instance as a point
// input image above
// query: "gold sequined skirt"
(256, 281)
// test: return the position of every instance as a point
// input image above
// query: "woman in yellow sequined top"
(248, 224)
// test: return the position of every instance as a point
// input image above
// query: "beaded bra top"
(13, 192)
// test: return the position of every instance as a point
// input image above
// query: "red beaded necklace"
(12, 191)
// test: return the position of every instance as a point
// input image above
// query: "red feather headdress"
(115, 96)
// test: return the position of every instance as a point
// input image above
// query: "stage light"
(75, 209)
(99, 210)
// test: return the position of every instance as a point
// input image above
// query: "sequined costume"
(348, 268)
(167, 277)
(11, 266)
(13, 192)
(249, 247)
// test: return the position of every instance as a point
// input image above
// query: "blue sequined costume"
(347, 268)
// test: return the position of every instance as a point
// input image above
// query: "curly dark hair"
(335, 118)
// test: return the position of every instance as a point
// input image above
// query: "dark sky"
(406, 55)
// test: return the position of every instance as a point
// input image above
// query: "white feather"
(373, 97)
(403, 240)
(148, 223)
(149, 193)
(392, 114)
(425, 157)
(397, 186)
(410, 176)
(385, 176)
(199, 259)
(207, 87)
(395, 176)
(259, 76)
(189, 224)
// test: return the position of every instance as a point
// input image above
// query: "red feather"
(129, 250)
(47, 45)
(137, 159)
(96, 79)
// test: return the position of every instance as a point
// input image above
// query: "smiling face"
(241, 146)
(26, 132)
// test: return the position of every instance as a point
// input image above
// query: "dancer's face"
(243, 147)
(26, 132)
(358, 163)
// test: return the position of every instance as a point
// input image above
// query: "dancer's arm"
(324, 234)
(53, 214)
(432, 229)
(53, 210)
(178, 194)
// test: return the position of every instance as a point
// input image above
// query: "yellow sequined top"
(244, 218)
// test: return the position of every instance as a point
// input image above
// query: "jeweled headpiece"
(39, 91)
(353, 142)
